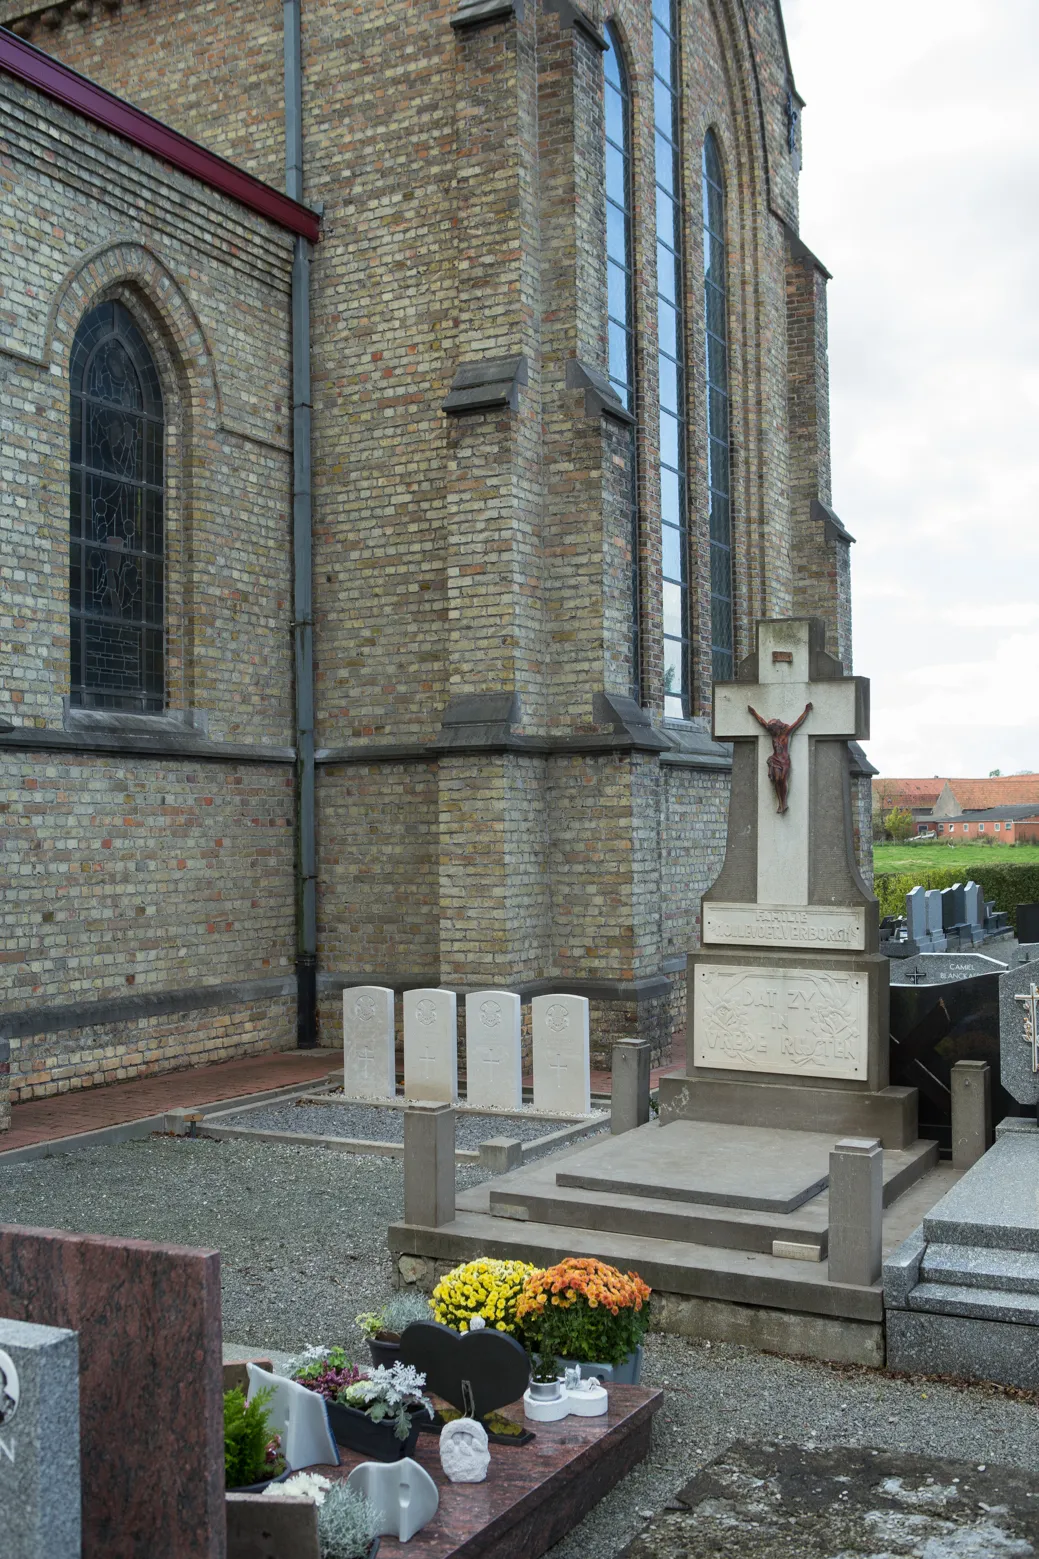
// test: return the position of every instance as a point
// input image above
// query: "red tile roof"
(906, 792)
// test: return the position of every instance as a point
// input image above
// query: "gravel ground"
(302, 1237)
(369, 1123)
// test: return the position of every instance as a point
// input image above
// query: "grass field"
(907, 858)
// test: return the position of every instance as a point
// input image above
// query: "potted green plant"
(546, 1378)
(252, 1448)
(585, 1312)
(327, 1371)
(382, 1328)
(378, 1415)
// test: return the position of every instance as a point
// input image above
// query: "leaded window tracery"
(116, 517)
(719, 441)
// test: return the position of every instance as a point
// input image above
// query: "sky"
(920, 192)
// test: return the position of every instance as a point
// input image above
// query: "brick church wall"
(491, 552)
(132, 875)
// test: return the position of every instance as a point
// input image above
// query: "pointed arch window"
(671, 362)
(116, 519)
(719, 443)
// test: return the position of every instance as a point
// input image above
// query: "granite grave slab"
(39, 1442)
(148, 1318)
(791, 1502)
(713, 1165)
(995, 1205)
(534, 1493)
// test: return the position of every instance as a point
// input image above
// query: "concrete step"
(728, 1228)
(971, 1266)
(547, 1194)
(980, 1304)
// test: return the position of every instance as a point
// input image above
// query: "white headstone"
(403, 1493)
(493, 1050)
(562, 1069)
(299, 1417)
(368, 1043)
(39, 1442)
(431, 1045)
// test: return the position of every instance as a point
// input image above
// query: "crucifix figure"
(773, 822)
(778, 765)
(1030, 1002)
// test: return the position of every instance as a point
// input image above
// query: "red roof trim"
(77, 92)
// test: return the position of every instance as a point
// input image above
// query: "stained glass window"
(671, 361)
(718, 415)
(620, 305)
(116, 568)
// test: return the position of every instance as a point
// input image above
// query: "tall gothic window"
(116, 516)
(718, 411)
(671, 338)
(619, 291)
(618, 224)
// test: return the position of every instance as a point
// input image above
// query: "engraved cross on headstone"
(793, 673)
(490, 1059)
(428, 1058)
(1030, 1001)
(366, 1056)
(558, 1066)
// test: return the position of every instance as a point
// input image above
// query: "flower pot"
(258, 1488)
(384, 1348)
(627, 1373)
(375, 1442)
(545, 1390)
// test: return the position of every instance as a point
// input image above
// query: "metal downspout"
(302, 556)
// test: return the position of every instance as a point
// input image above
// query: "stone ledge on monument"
(888, 1113)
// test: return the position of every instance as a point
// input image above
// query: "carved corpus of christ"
(778, 765)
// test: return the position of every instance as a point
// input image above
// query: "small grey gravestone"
(933, 900)
(39, 1442)
(948, 909)
(916, 916)
(973, 904)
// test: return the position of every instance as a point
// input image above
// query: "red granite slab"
(150, 1387)
(534, 1494)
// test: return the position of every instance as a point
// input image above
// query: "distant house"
(1004, 807)
(1007, 824)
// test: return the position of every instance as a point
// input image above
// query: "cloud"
(920, 190)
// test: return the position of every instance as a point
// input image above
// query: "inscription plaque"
(799, 1022)
(818, 926)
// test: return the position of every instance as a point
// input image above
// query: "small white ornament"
(476, 1323)
(403, 1493)
(463, 1451)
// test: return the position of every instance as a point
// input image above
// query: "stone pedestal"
(629, 1099)
(971, 1112)
(429, 1164)
(856, 1210)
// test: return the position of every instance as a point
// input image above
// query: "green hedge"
(1005, 885)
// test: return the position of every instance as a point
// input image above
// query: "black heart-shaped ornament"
(476, 1372)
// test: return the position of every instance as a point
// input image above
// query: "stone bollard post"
(856, 1210)
(429, 1164)
(629, 1105)
(39, 1442)
(971, 1112)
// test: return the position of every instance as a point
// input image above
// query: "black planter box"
(375, 1442)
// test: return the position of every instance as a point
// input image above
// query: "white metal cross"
(783, 689)
(1030, 1002)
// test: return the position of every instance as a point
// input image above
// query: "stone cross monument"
(788, 997)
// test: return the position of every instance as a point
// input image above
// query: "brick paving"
(92, 1109)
